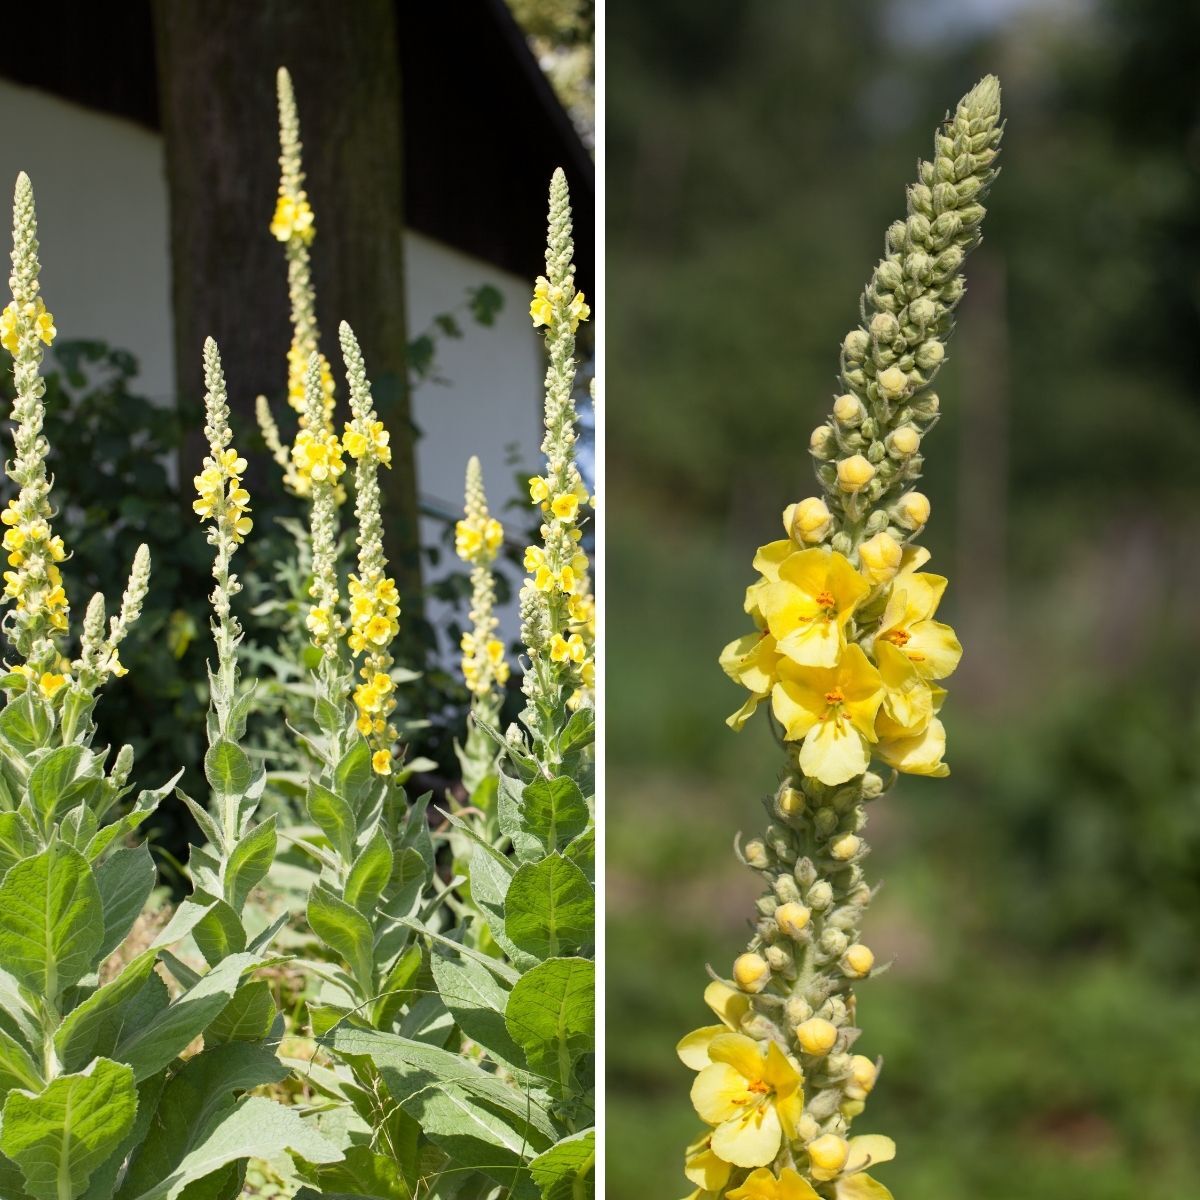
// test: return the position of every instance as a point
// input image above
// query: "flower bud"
(926, 406)
(755, 854)
(766, 905)
(849, 410)
(879, 557)
(750, 972)
(790, 802)
(807, 1128)
(780, 960)
(854, 473)
(820, 896)
(786, 890)
(858, 960)
(838, 1063)
(823, 443)
(792, 918)
(885, 327)
(827, 1156)
(834, 942)
(805, 872)
(888, 275)
(922, 312)
(824, 821)
(851, 1108)
(808, 521)
(860, 895)
(816, 1035)
(864, 1072)
(856, 346)
(797, 1010)
(845, 847)
(893, 383)
(903, 442)
(872, 786)
(911, 510)
(930, 354)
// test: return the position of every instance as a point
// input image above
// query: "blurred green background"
(1041, 1024)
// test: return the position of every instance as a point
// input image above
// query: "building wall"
(102, 211)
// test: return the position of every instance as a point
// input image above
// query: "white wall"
(102, 212)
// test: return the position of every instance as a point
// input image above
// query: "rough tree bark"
(217, 61)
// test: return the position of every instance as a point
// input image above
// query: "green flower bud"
(849, 410)
(823, 443)
(834, 942)
(755, 855)
(819, 896)
(780, 960)
(804, 872)
(856, 346)
(930, 355)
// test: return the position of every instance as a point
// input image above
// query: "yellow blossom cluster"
(293, 219)
(849, 659)
(317, 455)
(553, 302)
(35, 314)
(220, 496)
(35, 583)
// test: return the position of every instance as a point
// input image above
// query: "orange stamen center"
(826, 601)
(898, 637)
(834, 697)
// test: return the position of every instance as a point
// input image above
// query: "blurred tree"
(217, 62)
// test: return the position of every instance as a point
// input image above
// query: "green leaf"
(353, 777)
(152, 1045)
(17, 1068)
(550, 908)
(219, 933)
(370, 874)
(55, 782)
(553, 811)
(59, 1137)
(94, 1026)
(248, 1017)
(332, 814)
(227, 768)
(53, 924)
(16, 840)
(125, 879)
(565, 1171)
(477, 1000)
(551, 1014)
(582, 852)
(345, 931)
(255, 1128)
(249, 863)
(25, 724)
(510, 801)
(363, 1175)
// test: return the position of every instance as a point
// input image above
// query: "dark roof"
(483, 129)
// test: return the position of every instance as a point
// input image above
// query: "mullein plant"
(849, 657)
(95, 1098)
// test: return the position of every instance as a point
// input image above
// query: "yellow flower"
(293, 216)
(578, 311)
(833, 710)
(358, 441)
(808, 606)
(565, 506)
(752, 1098)
(854, 473)
(919, 753)
(535, 559)
(762, 1185)
(862, 1152)
(572, 649)
(51, 683)
(545, 297)
(908, 624)
(381, 762)
(43, 324)
(792, 918)
(539, 490)
(750, 660)
(827, 1156)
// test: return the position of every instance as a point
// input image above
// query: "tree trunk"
(217, 61)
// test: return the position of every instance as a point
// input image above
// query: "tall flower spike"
(293, 224)
(848, 655)
(374, 599)
(558, 655)
(223, 503)
(317, 458)
(34, 585)
(477, 540)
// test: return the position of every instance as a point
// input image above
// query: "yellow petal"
(693, 1047)
(751, 1140)
(716, 1091)
(796, 707)
(740, 1052)
(728, 1003)
(933, 648)
(833, 752)
(868, 1150)
(907, 699)
(918, 755)
(769, 557)
(816, 643)
(737, 719)
(706, 1170)
(861, 1187)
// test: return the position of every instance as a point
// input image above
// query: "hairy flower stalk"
(223, 503)
(477, 540)
(374, 599)
(849, 656)
(34, 585)
(294, 225)
(553, 597)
